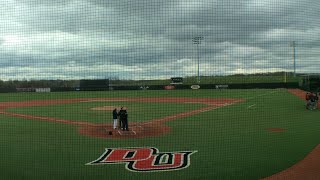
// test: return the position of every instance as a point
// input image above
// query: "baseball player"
(313, 101)
(125, 120)
(115, 118)
(308, 100)
(121, 117)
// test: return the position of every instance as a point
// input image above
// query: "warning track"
(154, 127)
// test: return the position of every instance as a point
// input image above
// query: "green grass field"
(232, 141)
(138, 111)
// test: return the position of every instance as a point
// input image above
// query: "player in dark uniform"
(123, 115)
(313, 101)
(125, 121)
(308, 100)
(120, 114)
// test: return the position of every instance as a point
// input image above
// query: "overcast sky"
(148, 39)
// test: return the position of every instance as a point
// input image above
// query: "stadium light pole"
(293, 45)
(197, 40)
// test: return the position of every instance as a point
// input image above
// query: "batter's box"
(126, 133)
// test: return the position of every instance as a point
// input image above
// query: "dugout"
(310, 82)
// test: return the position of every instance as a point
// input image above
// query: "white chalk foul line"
(148, 122)
(265, 94)
(103, 100)
(251, 106)
(209, 109)
(119, 132)
(217, 107)
(139, 127)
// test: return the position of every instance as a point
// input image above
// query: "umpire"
(120, 114)
(125, 120)
(123, 115)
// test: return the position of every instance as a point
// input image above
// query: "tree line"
(11, 84)
(235, 78)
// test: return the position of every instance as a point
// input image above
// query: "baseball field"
(178, 134)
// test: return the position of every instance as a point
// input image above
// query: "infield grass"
(82, 111)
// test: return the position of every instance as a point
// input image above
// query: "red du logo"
(145, 159)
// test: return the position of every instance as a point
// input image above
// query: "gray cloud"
(151, 38)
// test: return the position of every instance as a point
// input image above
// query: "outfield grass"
(232, 141)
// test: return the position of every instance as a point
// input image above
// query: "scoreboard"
(176, 80)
